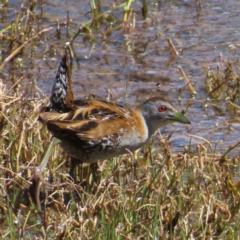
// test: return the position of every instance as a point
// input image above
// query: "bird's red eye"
(162, 108)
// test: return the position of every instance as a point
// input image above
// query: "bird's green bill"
(179, 117)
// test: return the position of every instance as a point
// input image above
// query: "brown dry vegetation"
(154, 194)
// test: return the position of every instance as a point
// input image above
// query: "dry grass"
(156, 194)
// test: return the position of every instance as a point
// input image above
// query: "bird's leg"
(74, 162)
(93, 170)
(86, 177)
(74, 195)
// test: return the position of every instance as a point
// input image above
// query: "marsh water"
(136, 64)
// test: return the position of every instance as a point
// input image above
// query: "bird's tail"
(62, 99)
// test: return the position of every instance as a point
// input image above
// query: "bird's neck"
(153, 125)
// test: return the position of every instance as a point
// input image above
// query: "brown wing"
(97, 123)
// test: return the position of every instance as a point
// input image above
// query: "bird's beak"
(179, 117)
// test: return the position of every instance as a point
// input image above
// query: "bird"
(92, 130)
(97, 130)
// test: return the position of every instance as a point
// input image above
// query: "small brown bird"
(99, 130)
(96, 130)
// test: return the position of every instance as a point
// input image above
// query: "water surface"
(120, 65)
